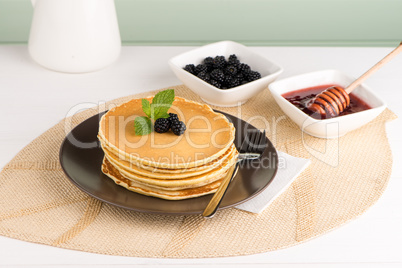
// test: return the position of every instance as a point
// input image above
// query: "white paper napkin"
(288, 169)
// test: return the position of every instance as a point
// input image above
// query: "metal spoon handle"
(213, 205)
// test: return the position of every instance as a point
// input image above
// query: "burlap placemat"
(347, 175)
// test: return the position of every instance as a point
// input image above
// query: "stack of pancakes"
(162, 164)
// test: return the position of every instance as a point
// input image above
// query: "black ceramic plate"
(82, 164)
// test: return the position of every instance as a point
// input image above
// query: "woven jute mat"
(347, 175)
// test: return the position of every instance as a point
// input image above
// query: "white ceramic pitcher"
(74, 36)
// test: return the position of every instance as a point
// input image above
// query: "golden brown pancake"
(165, 165)
(175, 184)
(170, 174)
(208, 136)
(114, 174)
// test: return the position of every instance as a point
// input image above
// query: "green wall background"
(251, 22)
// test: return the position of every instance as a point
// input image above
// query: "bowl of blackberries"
(224, 73)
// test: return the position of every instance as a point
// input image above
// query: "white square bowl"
(326, 128)
(229, 97)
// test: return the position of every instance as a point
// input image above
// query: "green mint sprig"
(159, 108)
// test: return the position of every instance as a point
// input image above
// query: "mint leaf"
(146, 107)
(142, 125)
(161, 103)
(159, 110)
(164, 97)
(159, 107)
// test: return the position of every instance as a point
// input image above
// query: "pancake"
(165, 165)
(169, 174)
(142, 166)
(208, 136)
(182, 183)
(114, 174)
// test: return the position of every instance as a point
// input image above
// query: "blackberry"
(202, 75)
(162, 125)
(244, 68)
(190, 68)
(200, 68)
(218, 75)
(207, 78)
(173, 118)
(235, 82)
(178, 128)
(228, 79)
(215, 83)
(253, 75)
(222, 73)
(233, 60)
(231, 70)
(241, 76)
(209, 63)
(219, 62)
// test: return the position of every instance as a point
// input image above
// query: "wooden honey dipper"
(332, 101)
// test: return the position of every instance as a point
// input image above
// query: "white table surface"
(33, 99)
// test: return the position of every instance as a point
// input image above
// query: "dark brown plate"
(82, 165)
